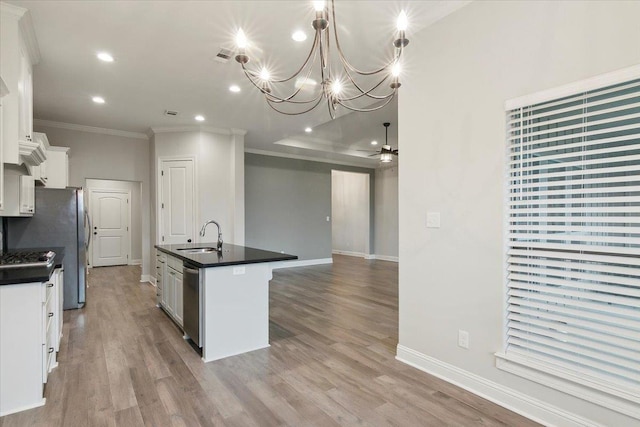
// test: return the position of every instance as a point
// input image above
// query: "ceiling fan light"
(385, 157)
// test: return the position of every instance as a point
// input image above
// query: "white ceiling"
(165, 52)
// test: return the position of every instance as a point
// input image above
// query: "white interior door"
(176, 201)
(110, 221)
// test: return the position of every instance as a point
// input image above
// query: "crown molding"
(91, 129)
(307, 158)
(17, 11)
(196, 128)
(57, 148)
(441, 10)
(240, 132)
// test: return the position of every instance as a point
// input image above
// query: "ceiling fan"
(386, 153)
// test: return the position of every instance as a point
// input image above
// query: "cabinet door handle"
(49, 285)
(50, 314)
(51, 349)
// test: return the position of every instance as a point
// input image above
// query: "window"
(573, 240)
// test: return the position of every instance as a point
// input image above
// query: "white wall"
(219, 160)
(350, 212)
(386, 213)
(111, 157)
(135, 189)
(452, 138)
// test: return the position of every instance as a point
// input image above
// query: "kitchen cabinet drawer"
(174, 263)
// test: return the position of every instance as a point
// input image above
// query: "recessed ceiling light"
(199, 118)
(98, 99)
(374, 142)
(308, 130)
(104, 56)
(299, 36)
(234, 88)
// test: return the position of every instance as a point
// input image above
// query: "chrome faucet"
(202, 231)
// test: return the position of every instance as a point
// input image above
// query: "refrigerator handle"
(88, 221)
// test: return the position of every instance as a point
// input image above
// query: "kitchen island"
(220, 298)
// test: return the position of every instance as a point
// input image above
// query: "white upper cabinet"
(4, 90)
(57, 167)
(18, 53)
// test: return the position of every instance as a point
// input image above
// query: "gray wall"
(451, 111)
(100, 156)
(287, 202)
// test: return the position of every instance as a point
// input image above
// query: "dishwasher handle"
(187, 270)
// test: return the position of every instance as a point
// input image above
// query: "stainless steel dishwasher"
(192, 302)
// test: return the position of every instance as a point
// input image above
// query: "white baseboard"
(385, 258)
(300, 263)
(148, 278)
(135, 262)
(366, 256)
(513, 400)
(349, 253)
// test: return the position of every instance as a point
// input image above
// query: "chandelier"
(338, 85)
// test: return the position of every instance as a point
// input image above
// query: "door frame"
(91, 209)
(195, 214)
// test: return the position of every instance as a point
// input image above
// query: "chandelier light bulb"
(241, 39)
(318, 6)
(264, 74)
(402, 22)
(395, 70)
(336, 87)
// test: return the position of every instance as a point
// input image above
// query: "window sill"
(610, 397)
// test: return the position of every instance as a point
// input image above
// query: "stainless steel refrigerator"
(60, 220)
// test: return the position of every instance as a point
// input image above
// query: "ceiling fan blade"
(370, 151)
(394, 152)
(374, 154)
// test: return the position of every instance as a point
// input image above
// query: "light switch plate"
(238, 270)
(433, 219)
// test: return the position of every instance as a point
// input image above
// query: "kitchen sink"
(205, 250)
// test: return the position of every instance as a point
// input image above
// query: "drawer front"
(174, 263)
(161, 256)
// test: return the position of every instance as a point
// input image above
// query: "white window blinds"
(573, 238)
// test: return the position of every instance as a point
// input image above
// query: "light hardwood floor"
(333, 333)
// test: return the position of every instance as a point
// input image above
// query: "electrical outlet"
(463, 339)
(238, 270)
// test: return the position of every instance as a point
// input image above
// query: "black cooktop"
(23, 259)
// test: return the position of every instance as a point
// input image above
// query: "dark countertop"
(231, 255)
(12, 276)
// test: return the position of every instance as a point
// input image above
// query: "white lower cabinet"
(170, 274)
(161, 274)
(30, 331)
